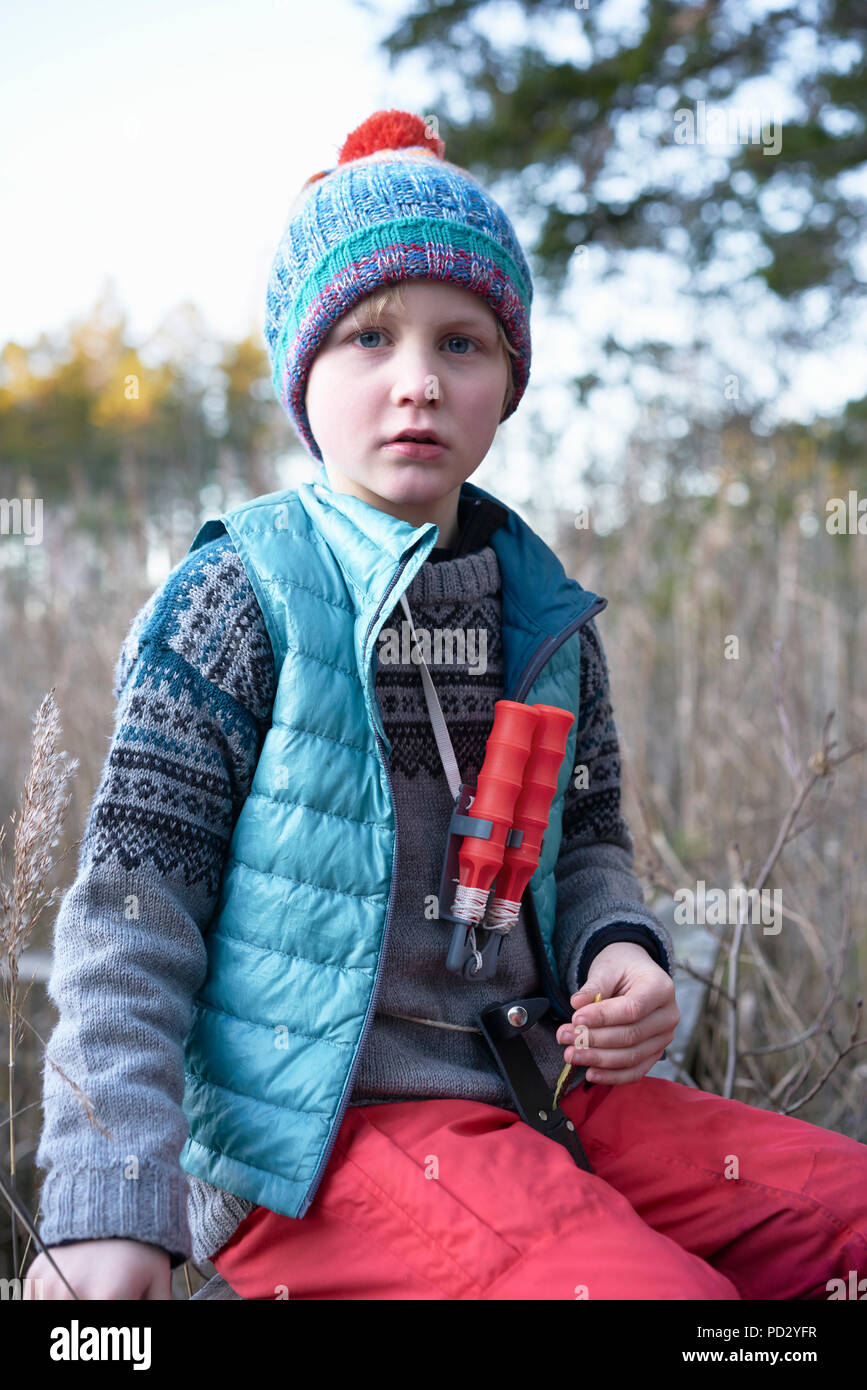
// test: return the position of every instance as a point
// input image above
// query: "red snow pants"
(691, 1197)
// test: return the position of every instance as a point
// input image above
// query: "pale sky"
(159, 146)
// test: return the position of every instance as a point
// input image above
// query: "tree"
(594, 127)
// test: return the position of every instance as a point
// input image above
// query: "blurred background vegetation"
(763, 251)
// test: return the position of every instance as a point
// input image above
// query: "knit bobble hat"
(392, 209)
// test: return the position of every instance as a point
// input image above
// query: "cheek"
(482, 398)
(339, 386)
(319, 393)
(311, 390)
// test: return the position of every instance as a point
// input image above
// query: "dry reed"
(24, 896)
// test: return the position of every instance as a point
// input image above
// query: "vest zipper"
(377, 984)
(558, 1001)
(534, 666)
(550, 645)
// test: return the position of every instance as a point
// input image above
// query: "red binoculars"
(497, 828)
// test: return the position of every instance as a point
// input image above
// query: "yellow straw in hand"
(568, 1067)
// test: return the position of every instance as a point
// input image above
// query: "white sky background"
(159, 146)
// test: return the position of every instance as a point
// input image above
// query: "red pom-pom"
(389, 130)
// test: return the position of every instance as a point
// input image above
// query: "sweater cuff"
(607, 936)
(94, 1204)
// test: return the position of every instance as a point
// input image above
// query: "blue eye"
(377, 333)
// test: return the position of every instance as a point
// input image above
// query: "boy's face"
(435, 365)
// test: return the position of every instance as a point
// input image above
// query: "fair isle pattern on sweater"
(195, 684)
(191, 723)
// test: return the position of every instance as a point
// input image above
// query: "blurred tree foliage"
(591, 149)
(88, 418)
(609, 113)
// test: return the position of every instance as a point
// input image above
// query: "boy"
(253, 924)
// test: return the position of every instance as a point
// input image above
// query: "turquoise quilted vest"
(299, 934)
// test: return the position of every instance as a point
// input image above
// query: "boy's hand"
(109, 1268)
(628, 1031)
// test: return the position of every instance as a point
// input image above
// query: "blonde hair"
(376, 303)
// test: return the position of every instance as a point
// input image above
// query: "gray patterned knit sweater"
(195, 684)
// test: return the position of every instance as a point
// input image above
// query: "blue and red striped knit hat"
(392, 209)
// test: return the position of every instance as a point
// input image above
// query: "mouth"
(416, 444)
(421, 436)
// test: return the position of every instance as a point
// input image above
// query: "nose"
(416, 380)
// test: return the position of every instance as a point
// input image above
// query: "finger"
(623, 1010)
(655, 986)
(622, 1058)
(586, 994)
(624, 1035)
(584, 997)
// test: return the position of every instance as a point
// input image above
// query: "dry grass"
(24, 896)
(749, 769)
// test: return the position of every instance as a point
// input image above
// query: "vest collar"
(367, 543)
(540, 604)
